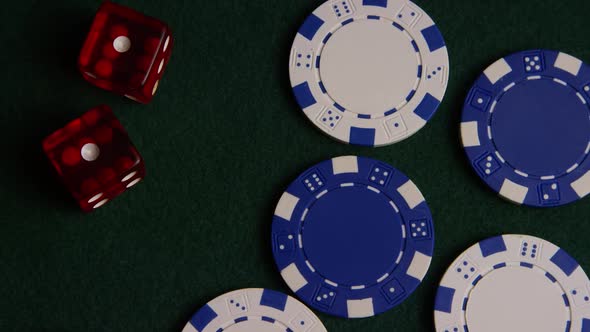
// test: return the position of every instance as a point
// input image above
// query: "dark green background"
(221, 141)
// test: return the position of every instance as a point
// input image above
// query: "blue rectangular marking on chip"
(350, 20)
(373, 17)
(444, 299)
(273, 299)
(568, 326)
(362, 136)
(566, 301)
(268, 319)
(303, 95)
(364, 116)
(499, 266)
(492, 246)
(203, 317)
(401, 28)
(377, 3)
(427, 107)
(476, 280)
(391, 111)
(585, 325)
(419, 71)
(527, 265)
(416, 49)
(311, 26)
(339, 107)
(410, 95)
(550, 277)
(464, 305)
(564, 262)
(241, 319)
(327, 37)
(433, 38)
(322, 87)
(317, 62)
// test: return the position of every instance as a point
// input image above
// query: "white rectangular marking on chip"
(403, 231)
(571, 169)
(549, 177)
(309, 266)
(419, 266)
(532, 78)
(588, 148)
(581, 98)
(286, 206)
(347, 164)
(394, 206)
(331, 283)
(514, 191)
(510, 86)
(493, 107)
(411, 194)
(375, 190)
(347, 185)
(385, 276)
(304, 214)
(500, 157)
(582, 185)
(568, 63)
(293, 277)
(521, 173)
(558, 81)
(399, 257)
(357, 287)
(300, 240)
(470, 134)
(496, 71)
(318, 196)
(490, 132)
(360, 308)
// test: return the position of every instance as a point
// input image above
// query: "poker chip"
(254, 310)
(352, 237)
(513, 283)
(369, 72)
(526, 128)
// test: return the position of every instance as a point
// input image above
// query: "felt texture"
(222, 139)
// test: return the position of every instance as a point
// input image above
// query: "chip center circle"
(369, 67)
(255, 325)
(541, 127)
(353, 243)
(516, 298)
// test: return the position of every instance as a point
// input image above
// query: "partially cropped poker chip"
(369, 72)
(254, 310)
(513, 283)
(526, 128)
(352, 237)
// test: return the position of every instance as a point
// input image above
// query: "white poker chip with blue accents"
(254, 310)
(513, 283)
(369, 72)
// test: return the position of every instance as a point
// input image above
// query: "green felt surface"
(221, 141)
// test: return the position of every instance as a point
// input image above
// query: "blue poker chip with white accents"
(526, 128)
(513, 283)
(352, 237)
(369, 72)
(254, 310)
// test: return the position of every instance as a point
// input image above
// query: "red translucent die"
(126, 52)
(95, 158)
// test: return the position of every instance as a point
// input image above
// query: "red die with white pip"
(95, 158)
(126, 52)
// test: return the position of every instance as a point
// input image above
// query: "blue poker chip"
(526, 128)
(254, 310)
(513, 283)
(352, 237)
